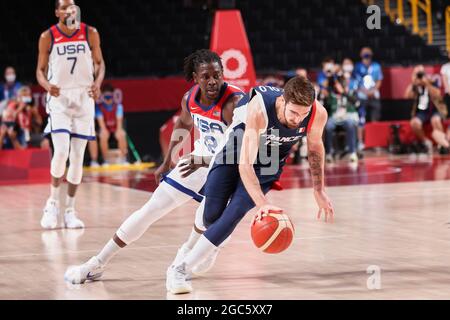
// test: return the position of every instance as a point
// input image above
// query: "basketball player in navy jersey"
(208, 106)
(266, 124)
(71, 69)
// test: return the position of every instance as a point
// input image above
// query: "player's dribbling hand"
(325, 206)
(94, 91)
(53, 90)
(266, 209)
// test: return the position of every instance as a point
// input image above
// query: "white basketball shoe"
(177, 280)
(91, 270)
(71, 220)
(49, 220)
(181, 254)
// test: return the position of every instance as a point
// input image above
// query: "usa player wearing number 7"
(208, 106)
(71, 69)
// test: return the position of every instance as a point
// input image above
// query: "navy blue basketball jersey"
(277, 140)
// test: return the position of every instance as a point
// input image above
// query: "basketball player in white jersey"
(71, 69)
(208, 106)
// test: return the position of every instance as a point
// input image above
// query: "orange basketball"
(273, 233)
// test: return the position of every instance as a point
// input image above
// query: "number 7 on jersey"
(74, 63)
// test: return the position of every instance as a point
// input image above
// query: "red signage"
(140, 95)
(229, 40)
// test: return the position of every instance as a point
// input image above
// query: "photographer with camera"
(329, 85)
(334, 97)
(14, 129)
(428, 107)
(343, 113)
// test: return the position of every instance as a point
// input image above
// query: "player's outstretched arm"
(45, 43)
(255, 125)
(181, 131)
(316, 159)
(99, 63)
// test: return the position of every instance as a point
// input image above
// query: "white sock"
(201, 249)
(54, 192)
(108, 251)
(70, 202)
(192, 239)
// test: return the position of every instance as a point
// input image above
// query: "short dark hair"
(300, 91)
(327, 59)
(107, 87)
(194, 60)
(57, 3)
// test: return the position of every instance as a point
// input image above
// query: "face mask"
(10, 78)
(73, 20)
(108, 98)
(27, 100)
(329, 68)
(347, 68)
(367, 56)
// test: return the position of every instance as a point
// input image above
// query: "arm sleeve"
(379, 74)
(321, 79)
(98, 112)
(119, 113)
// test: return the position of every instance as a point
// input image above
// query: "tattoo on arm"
(316, 165)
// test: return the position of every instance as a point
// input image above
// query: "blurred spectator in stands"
(445, 72)
(343, 113)
(273, 80)
(370, 76)
(15, 128)
(109, 116)
(30, 120)
(8, 90)
(301, 72)
(329, 85)
(10, 137)
(428, 107)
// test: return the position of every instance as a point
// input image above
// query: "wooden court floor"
(399, 231)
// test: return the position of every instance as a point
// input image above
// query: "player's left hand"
(94, 91)
(189, 164)
(266, 209)
(325, 206)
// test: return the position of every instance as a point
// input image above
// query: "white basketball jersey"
(70, 64)
(208, 119)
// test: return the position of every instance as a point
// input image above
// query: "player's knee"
(103, 135)
(436, 122)
(76, 155)
(8, 115)
(239, 208)
(416, 123)
(120, 134)
(61, 153)
(58, 165)
(330, 126)
(213, 209)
